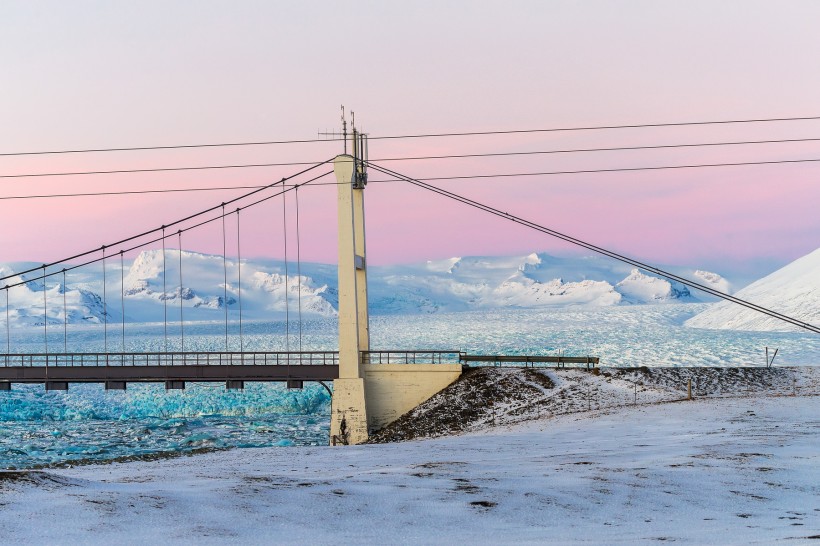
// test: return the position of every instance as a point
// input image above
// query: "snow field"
(728, 471)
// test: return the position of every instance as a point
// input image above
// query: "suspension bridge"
(371, 387)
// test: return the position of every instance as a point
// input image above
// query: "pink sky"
(96, 75)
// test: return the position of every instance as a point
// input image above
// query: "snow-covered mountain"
(793, 290)
(455, 284)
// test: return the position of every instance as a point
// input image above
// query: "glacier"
(148, 289)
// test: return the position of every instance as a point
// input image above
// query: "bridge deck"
(192, 372)
(229, 366)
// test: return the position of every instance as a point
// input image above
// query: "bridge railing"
(530, 361)
(410, 357)
(202, 358)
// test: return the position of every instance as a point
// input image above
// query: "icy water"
(87, 423)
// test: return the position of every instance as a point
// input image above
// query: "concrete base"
(348, 413)
(395, 389)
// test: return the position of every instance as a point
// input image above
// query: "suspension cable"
(122, 297)
(600, 250)
(181, 317)
(65, 316)
(45, 313)
(239, 283)
(298, 266)
(225, 274)
(105, 304)
(285, 239)
(164, 292)
(8, 330)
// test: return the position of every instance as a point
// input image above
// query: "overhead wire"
(427, 157)
(421, 135)
(148, 242)
(174, 223)
(598, 249)
(443, 178)
(595, 128)
(614, 170)
(139, 192)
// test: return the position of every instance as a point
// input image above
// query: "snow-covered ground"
(712, 471)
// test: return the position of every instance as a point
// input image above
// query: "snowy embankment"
(728, 470)
(486, 397)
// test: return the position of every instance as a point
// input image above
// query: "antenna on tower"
(344, 128)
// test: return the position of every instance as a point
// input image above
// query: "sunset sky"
(89, 74)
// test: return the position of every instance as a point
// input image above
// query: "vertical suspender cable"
(181, 318)
(45, 314)
(298, 265)
(65, 316)
(225, 271)
(8, 331)
(122, 297)
(164, 291)
(105, 305)
(285, 239)
(239, 285)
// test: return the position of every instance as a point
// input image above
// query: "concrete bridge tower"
(367, 396)
(349, 420)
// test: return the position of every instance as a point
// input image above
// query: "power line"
(437, 178)
(157, 170)
(417, 158)
(596, 128)
(172, 147)
(427, 135)
(613, 149)
(138, 192)
(592, 171)
(598, 249)
(176, 222)
(146, 243)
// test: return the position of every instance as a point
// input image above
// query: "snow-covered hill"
(455, 284)
(793, 290)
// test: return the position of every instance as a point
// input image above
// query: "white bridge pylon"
(349, 424)
(367, 396)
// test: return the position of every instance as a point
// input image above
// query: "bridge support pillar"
(348, 420)
(348, 424)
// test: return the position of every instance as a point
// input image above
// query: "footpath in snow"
(725, 470)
